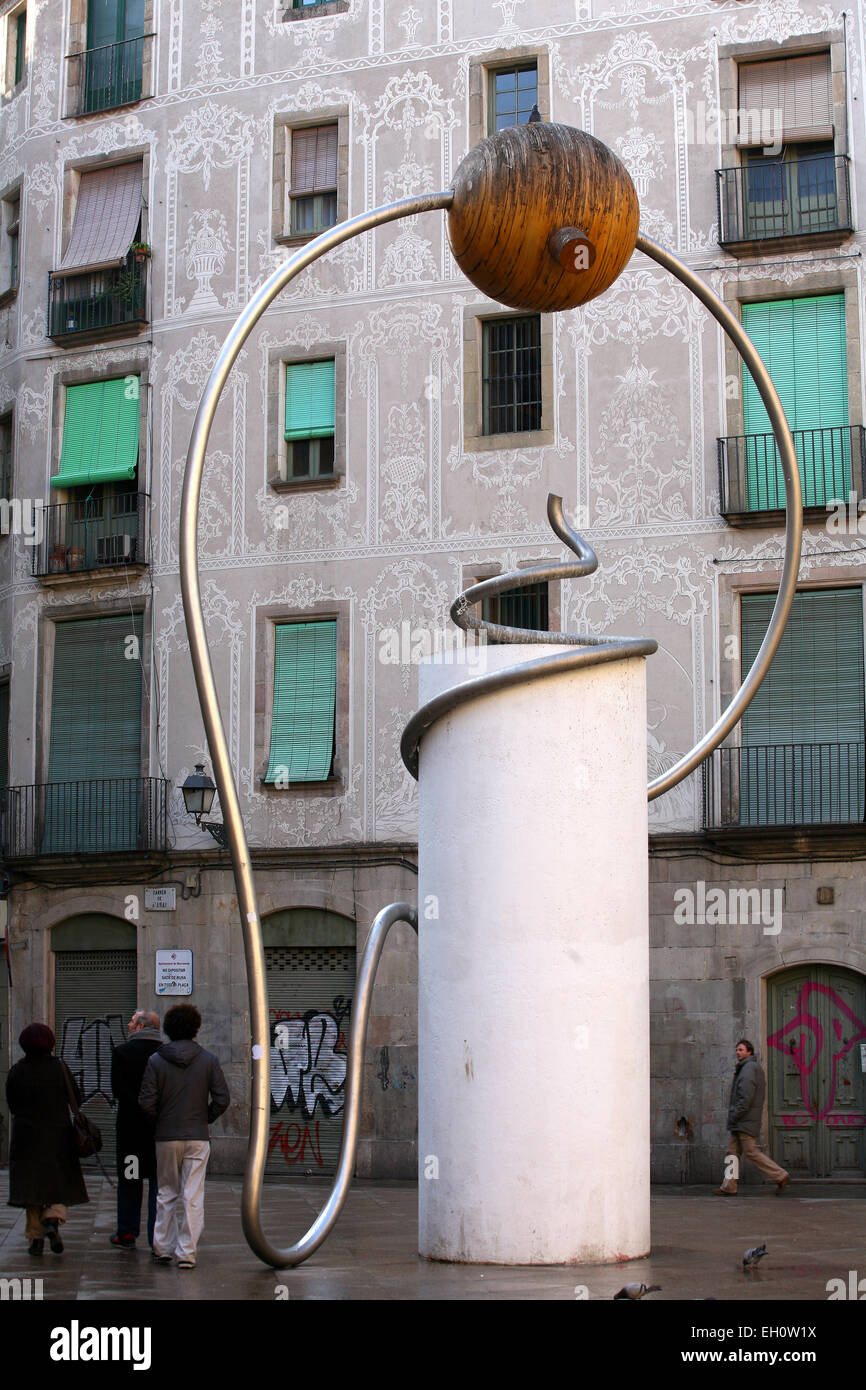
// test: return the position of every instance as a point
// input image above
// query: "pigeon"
(535, 115)
(751, 1257)
(635, 1291)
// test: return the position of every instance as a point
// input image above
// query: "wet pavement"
(814, 1233)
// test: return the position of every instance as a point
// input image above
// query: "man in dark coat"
(185, 1090)
(136, 1153)
(745, 1117)
(44, 1171)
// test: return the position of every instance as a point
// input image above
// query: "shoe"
(780, 1186)
(36, 1247)
(161, 1259)
(123, 1242)
(721, 1192)
(186, 1264)
(53, 1236)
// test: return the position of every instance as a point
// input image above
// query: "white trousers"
(180, 1169)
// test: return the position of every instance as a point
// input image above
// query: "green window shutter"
(309, 400)
(305, 688)
(4, 734)
(802, 342)
(100, 434)
(809, 711)
(95, 723)
(20, 45)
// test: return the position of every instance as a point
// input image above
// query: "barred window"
(511, 376)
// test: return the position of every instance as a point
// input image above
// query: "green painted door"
(802, 343)
(114, 58)
(816, 1071)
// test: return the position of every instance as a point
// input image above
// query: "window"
(803, 344)
(15, 49)
(512, 93)
(6, 457)
(115, 48)
(303, 718)
(802, 755)
(4, 733)
(313, 180)
(100, 284)
(10, 260)
(511, 375)
(308, 9)
(525, 608)
(310, 417)
(100, 433)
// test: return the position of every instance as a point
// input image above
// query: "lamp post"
(198, 794)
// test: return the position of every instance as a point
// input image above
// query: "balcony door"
(113, 65)
(802, 343)
(93, 801)
(802, 755)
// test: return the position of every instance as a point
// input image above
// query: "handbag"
(87, 1135)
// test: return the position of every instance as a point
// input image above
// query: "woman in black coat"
(44, 1171)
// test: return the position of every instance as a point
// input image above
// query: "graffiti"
(804, 1039)
(86, 1049)
(306, 1068)
(382, 1073)
(291, 1140)
(793, 1121)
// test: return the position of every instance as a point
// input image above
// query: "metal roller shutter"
(94, 998)
(310, 991)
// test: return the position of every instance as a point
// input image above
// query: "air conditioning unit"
(116, 550)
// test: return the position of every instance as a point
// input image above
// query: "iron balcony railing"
(107, 815)
(771, 198)
(109, 76)
(98, 300)
(782, 784)
(92, 534)
(832, 466)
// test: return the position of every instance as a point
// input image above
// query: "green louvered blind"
(100, 433)
(95, 745)
(802, 342)
(802, 760)
(305, 687)
(309, 400)
(4, 733)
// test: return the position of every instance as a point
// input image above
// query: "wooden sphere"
(544, 217)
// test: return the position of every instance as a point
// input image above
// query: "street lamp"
(198, 794)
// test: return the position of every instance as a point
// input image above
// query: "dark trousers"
(129, 1194)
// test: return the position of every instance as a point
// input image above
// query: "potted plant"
(140, 250)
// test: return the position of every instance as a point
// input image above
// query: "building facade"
(387, 436)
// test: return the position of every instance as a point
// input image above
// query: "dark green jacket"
(746, 1105)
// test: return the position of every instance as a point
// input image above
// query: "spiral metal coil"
(584, 648)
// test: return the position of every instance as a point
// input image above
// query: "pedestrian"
(136, 1151)
(745, 1115)
(184, 1090)
(44, 1172)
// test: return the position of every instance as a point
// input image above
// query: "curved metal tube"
(593, 650)
(207, 694)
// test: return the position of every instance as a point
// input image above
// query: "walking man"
(184, 1090)
(745, 1113)
(136, 1154)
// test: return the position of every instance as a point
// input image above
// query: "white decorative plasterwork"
(43, 86)
(41, 185)
(205, 251)
(644, 474)
(211, 136)
(248, 38)
(210, 57)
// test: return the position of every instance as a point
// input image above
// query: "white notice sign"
(863, 1056)
(174, 972)
(160, 899)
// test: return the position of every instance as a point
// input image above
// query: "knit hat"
(37, 1040)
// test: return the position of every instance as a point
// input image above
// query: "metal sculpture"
(541, 217)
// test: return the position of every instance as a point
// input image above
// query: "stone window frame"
(53, 613)
(329, 7)
(284, 124)
(268, 617)
(474, 574)
(11, 88)
(474, 441)
(81, 376)
(7, 422)
(72, 172)
(78, 45)
(10, 195)
(742, 291)
(279, 358)
(799, 46)
(479, 71)
(732, 587)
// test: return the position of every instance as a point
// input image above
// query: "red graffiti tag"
(807, 1048)
(292, 1139)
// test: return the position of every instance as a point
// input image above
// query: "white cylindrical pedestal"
(534, 968)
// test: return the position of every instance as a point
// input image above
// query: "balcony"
(794, 203)
(109, 815)
(752, 488)
(117, 74)
(791, 784)
(95, 534)
(98, 303)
